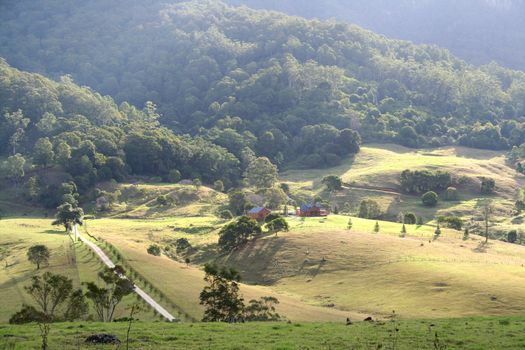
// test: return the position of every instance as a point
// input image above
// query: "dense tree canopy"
(252, 81)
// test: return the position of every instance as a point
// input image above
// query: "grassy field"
(322, 267)
(67, 258)
(467, 334)
(380, 166)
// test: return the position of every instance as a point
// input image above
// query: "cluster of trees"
(423, 181)
(253, 82)
(55, 135)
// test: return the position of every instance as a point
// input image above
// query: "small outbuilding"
(259, 213)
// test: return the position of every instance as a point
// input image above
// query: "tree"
(376, 227)
(221, 297)
(55, 298)
(409, 218)
(430, 199)
(487, 212)
(13, 169)
(17, 123)
(237, 233)
(487, 185)
(154, 250)
(38, 254)
(237, 202)
(218, 186)
(451, 194)
(67, 216)
(437, 232)
(333, 183)
(43, 152)
(512, 236)
(105, 299)
(466, 233)
(349, 224)
(369, 209)
(197, 183)
(62, 153)
(261, 173)
(278, 225)
(262, 310)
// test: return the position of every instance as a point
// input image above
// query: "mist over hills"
(479, 31)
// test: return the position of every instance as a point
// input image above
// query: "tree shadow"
(55, 232)
(482, 247)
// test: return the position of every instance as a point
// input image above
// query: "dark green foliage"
(221, 297)
(369, 209)
(453, 222)
(261, 173)
(376, 227)
(409, 218)
(437, 232)
(106, 299)
(451, 194)
(38, 254)
(238, 233)
(488, 185)
(226, 214)
(247, 81)
(278, 225)
(270, 217)
(67, 215)
(512, 236)
(237, 202)
(333, 183)
(55, 300)
(154, 250)
(423, 181)
(182, 245)
(430, 199)
(262, 310)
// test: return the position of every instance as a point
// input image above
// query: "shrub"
(512, 236)
(154, 250)
(369, 209)
(182, 244)
(451, 194)
(487, 185)
(453, 222)
(410, 218)
(430, 199)
(226, 214)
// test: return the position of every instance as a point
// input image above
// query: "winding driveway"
(107, 261)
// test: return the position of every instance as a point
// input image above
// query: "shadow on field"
(481, 248)
(54, 232)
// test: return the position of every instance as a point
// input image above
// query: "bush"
(512, 236)
(487, 185)
(369, 209)
(182, 245)
(226, 214)
(453, 222)
(451, 194)
(430, 199)
(410, 218)
(154, 250)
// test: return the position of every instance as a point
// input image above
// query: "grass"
(379, 166)
(467, 334)
(67, 258)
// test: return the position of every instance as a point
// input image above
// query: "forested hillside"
(71, 133)
(283, 87)
(479, 31)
